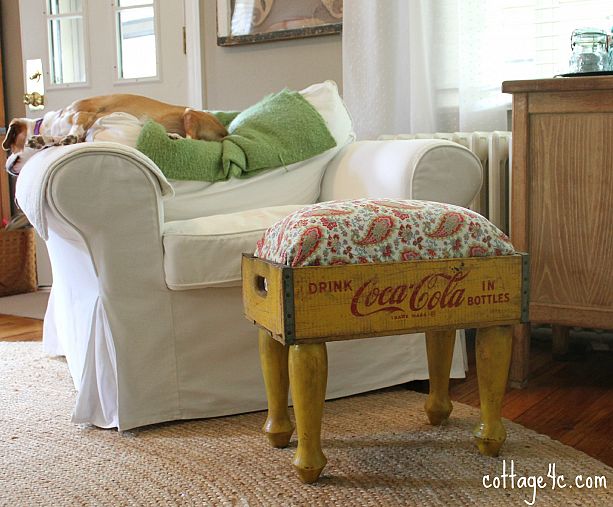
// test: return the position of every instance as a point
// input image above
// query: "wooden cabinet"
(562, 204)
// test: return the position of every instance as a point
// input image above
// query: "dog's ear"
(204, 126)
(15, 138)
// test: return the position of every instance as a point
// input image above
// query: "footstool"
(344, 270)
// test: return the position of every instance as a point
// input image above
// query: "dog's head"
(18, 132)
(202, 125)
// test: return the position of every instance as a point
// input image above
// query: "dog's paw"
(69, 139)
(36, 142)
(174, 136)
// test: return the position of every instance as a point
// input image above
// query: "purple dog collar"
(37, 126)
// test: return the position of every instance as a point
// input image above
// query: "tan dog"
(78, 118)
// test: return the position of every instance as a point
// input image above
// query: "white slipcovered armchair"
(146, 298)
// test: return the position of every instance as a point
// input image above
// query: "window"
(537, 32)
(481, 43)
(65, 27)
(137, 46)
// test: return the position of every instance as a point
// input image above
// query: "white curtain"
(382, 43)
(437, 65)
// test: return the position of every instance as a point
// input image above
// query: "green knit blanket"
(280, 130)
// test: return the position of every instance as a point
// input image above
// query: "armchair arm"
(94, 162)
(426, 169)
(101, 205)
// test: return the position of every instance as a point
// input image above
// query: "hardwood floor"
(15, 329)
(571, 401)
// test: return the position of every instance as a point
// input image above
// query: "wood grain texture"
(308, 371)
(274, 362)
(571, 204)
(493, 357)
(569, 401)
(263, 293)
(363, 300)
(520, 356)
(582, 83)
(18, 329)
(571, 315)
(520, 191)
(597, 101)
(562, 202)
(439, 350)
(560, 340)
(519, 175)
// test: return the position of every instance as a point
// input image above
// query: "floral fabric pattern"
(380, 230)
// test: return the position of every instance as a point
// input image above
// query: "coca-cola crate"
(324, 303)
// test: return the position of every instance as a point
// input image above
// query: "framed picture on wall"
(251, 21)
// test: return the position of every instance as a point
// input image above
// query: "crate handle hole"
(261, 285)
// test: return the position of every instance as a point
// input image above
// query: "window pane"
(535, 34)
(65, 6)
(67, 53)
(137, 54)
(130, 3)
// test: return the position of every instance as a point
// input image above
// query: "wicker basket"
(17, 261)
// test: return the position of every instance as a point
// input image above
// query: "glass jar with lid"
(589, 50)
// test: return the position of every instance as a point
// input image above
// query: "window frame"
(49, 17)
(116, 10)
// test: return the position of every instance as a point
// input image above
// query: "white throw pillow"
(324, 97)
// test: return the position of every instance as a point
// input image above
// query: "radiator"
(493, 149)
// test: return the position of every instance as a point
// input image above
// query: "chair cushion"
(380, 230)
(206, 251)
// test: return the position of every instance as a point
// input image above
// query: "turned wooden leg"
(273, 358)
(520, 363)
(439, 346)
(560, 340)
(493, 359)
(308, 370)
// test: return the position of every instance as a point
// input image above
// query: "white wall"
(235, 77)
(238, 76)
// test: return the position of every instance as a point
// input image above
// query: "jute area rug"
(380, 452)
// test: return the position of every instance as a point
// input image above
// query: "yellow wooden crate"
(324, 303)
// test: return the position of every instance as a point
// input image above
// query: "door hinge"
(184, 41)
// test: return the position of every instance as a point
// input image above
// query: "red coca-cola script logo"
(437, 290)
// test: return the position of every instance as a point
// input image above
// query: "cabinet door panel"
(571, 209)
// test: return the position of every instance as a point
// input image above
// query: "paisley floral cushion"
(380, 230)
